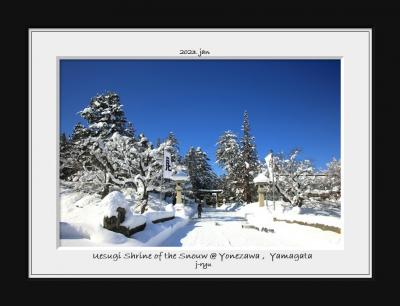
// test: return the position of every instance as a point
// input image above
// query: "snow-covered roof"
(180, 176)
(260, 178)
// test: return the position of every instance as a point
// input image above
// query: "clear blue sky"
(291, 103)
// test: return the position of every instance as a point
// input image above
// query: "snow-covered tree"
(199, 169)
(148, 168)
(106, 155)
(79, 133)
(130, 130)
(147, 164)
(70, 150)
(297, 181)
(173, 148)
(228, 190)
(332, 180)
(105, 116)
(293, 177)
(334, 173)
(66, 163)
(227, 151)
(227, 157)
(91, 145)
(247, 163)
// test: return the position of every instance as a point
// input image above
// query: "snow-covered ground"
(218, 228)
(230, 225)
(82, 218)
(326, 213)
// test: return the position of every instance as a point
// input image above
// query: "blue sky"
(291, 103)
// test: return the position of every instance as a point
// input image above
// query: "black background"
(17, 18)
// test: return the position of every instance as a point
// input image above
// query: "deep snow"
(226, 226)
(219, 228)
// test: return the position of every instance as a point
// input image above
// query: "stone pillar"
(178, 193)
(261, 193)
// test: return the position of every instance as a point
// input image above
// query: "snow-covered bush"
(118, 216)
(296, 180)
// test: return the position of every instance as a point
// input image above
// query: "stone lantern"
(179, 177)
(261, 182)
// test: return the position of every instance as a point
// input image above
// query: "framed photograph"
(200, 153)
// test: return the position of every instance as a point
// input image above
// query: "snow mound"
(260, 219)
(73, 231)
(261, 178)
(307, 215)
(113, 201)
(169, 207)
(133, 220)
(256, 215)
(184, 211)
(103, 236)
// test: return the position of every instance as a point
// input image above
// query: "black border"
(369, 30)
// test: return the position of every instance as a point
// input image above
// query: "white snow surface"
(223, 229)
(112, 201)
(82, 216)
(157, 215)
(308, 215)
(260, 178)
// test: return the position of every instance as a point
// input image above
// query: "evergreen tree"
(173, 148)
(227, 154)
(65, 157)
(130, 130)
(227, 151)
(79, 133)
(248, 165)
(71, 151)
(199, 169)
(105, 116)
(228, 188)
(63, 140)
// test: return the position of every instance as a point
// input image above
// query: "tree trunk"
(105, 191)
(284, 197)
(143, 207)
(145, 198)
(106, 188)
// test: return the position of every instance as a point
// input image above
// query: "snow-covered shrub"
(118, 217)
(296, 180)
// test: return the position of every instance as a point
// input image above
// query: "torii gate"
(212, 192)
